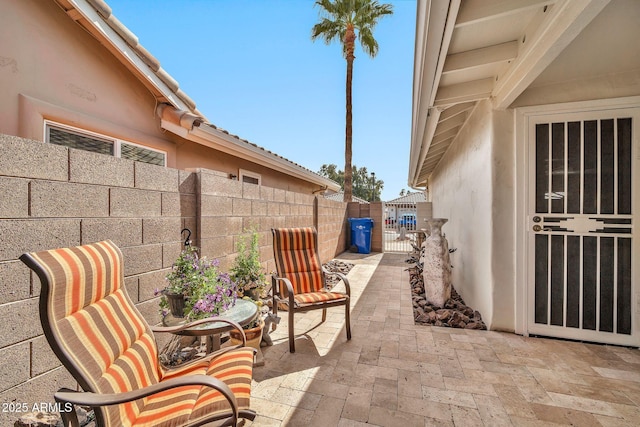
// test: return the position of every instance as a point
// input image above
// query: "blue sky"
(252, 69)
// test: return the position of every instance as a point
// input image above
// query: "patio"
(395, 373)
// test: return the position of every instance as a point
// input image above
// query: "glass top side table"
(243, 312)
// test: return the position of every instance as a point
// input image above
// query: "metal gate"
(400, 229)
(582, 283)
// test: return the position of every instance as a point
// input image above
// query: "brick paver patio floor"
(395, 373)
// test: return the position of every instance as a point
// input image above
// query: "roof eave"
(222, 141)
(95, 16)
(552, 25)
(433, 35)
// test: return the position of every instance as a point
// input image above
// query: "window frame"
(117, 142)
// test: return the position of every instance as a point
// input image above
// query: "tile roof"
(263, 149)
(339, 197)
(176, 98)
(408, 199)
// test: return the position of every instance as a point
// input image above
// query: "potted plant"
(252, 331)
(247, 271)
(249, 274)
(196, 288)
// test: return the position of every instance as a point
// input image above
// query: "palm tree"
(346, 21)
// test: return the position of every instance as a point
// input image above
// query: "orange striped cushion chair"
(101, 338)
(300, 281)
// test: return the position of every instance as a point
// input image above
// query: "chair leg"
(292, 345)
(274, 309)
(324, 314)
(347, 319)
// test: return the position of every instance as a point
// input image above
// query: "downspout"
(181, 118)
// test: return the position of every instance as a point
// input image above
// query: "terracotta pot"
(254, 336)
(176, 304)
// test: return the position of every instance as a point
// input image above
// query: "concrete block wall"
(376, 212)
(228, 209)
(333, 228)
(52, 196)
(357, 210)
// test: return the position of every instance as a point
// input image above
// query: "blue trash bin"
(361, 234)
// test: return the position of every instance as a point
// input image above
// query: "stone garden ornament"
(437, 267)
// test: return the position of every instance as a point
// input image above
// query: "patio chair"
(101, 338)
(300, 283)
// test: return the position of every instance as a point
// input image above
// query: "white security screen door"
(582, 211)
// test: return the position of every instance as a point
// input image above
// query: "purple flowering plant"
(207, 291)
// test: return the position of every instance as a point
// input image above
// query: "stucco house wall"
(190, 155)
(503, 210)
(461, 188)
(475, 187)
(52, 69)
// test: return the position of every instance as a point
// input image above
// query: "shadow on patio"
(395, 373)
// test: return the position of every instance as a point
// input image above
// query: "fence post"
(376, 212)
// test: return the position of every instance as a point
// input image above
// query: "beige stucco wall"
(503, 207)
(52, 69)
(192, 155)
(474, 187)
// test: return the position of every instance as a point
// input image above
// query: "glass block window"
(89, 141)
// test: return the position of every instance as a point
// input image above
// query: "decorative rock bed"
(454, 314)
(335, 266)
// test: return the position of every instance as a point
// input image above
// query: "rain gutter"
(191, 127)
(433, 35)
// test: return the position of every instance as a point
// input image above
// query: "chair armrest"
(289, 286)
(347, 286)
(287, 283)
(96, 399)
(342, 277)
(174, 329)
